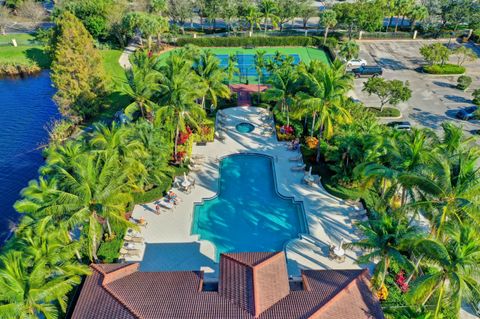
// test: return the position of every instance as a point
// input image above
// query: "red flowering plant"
(180, 156)
(401, 281)
(184, 136)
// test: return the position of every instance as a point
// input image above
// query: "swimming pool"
(248, 214)
(246, 63)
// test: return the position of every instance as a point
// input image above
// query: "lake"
(26, 106)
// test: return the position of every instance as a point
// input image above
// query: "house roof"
(251, 285)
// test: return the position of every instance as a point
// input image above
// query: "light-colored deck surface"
(170, 245)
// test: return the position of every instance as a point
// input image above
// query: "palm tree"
(208, 69)
(269, 9)
(417, 13)
(62, 155)
(253, 17)
(179, 88)
(141, 87)
(386, 240)
(323, 95)
(94, 192)
(328, 19)
(34, 289)
(231, 68)
(282, 90)
(120, 140)
(402, 7)
(349, 50)
(259, 66)
(452, 269)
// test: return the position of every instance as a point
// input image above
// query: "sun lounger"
(220, 136)
(299, 168)
(130, 253)
(194, 168)
(165, 204)
(198, 156)
(128, 238)
(296, 158)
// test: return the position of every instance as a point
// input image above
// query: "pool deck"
(170, 246)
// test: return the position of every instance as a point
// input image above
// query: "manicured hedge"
(386, 112)
(444, 69)
(249, 41)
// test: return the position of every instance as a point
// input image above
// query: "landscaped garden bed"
(444, 69)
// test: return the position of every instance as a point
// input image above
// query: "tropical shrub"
(463, 82)
(311, 142)
(284, 133)
(109, 249)
(205, 132)
(476, 96)
(444, 69)
(247, 41)
(386, 112)
(229, 102)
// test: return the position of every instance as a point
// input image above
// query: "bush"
(281, 120)
(248, 41)
(206, 132)
(18, 69)
(476, 96)
(463, 82)
(386, 112)
(226, 103)
(109, 250)
(444, 69)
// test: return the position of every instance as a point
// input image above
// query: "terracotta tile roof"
(251, 285)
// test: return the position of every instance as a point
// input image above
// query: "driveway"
(434, 98)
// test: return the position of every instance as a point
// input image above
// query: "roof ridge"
(98, 268)
(332, 300)
(231, 257)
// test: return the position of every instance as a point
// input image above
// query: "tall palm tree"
(96, 191)
(33, 289)
(349, 50)
(328, 19)
(259, 67)
(212, 76)
(452, 269)
(269, 11)
(62, 155)
(120, 140)
(386, 239)
(323, 95)
(282, 90)
(253, 17)
(417, 13)
(142, 85)
(231, 68)
(180, 87)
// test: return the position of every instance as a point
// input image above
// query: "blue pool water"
(248, 214)
(245, 127)
(246, 63)
(25, 106)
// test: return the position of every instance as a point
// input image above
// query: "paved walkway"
(171, 246)
(245, 91)
(124, 59)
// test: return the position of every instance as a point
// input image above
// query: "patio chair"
(296, 158)
(138, 240)
(130, 253)
(194, 168)
(220, 137)
(299, 168)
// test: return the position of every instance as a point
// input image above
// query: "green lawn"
(21, 38)
(114, 71)
(24, 55)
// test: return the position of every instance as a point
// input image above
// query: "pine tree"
(77, 70)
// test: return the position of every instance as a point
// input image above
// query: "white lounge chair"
(130, 253)
(299, 168)
(296, 158)
(165, 204)
(194, 168)
(128, 238)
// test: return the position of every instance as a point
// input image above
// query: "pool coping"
(302, 215)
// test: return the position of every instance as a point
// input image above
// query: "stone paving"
(169, 244)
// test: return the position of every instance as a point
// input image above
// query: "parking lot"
(434, 98)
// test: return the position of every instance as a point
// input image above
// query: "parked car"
(356, 62)
(400, 125)
(466, 113)
(367, 71)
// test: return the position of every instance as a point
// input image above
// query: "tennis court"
(246, 59)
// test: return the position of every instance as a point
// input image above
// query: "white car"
(356, 62)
